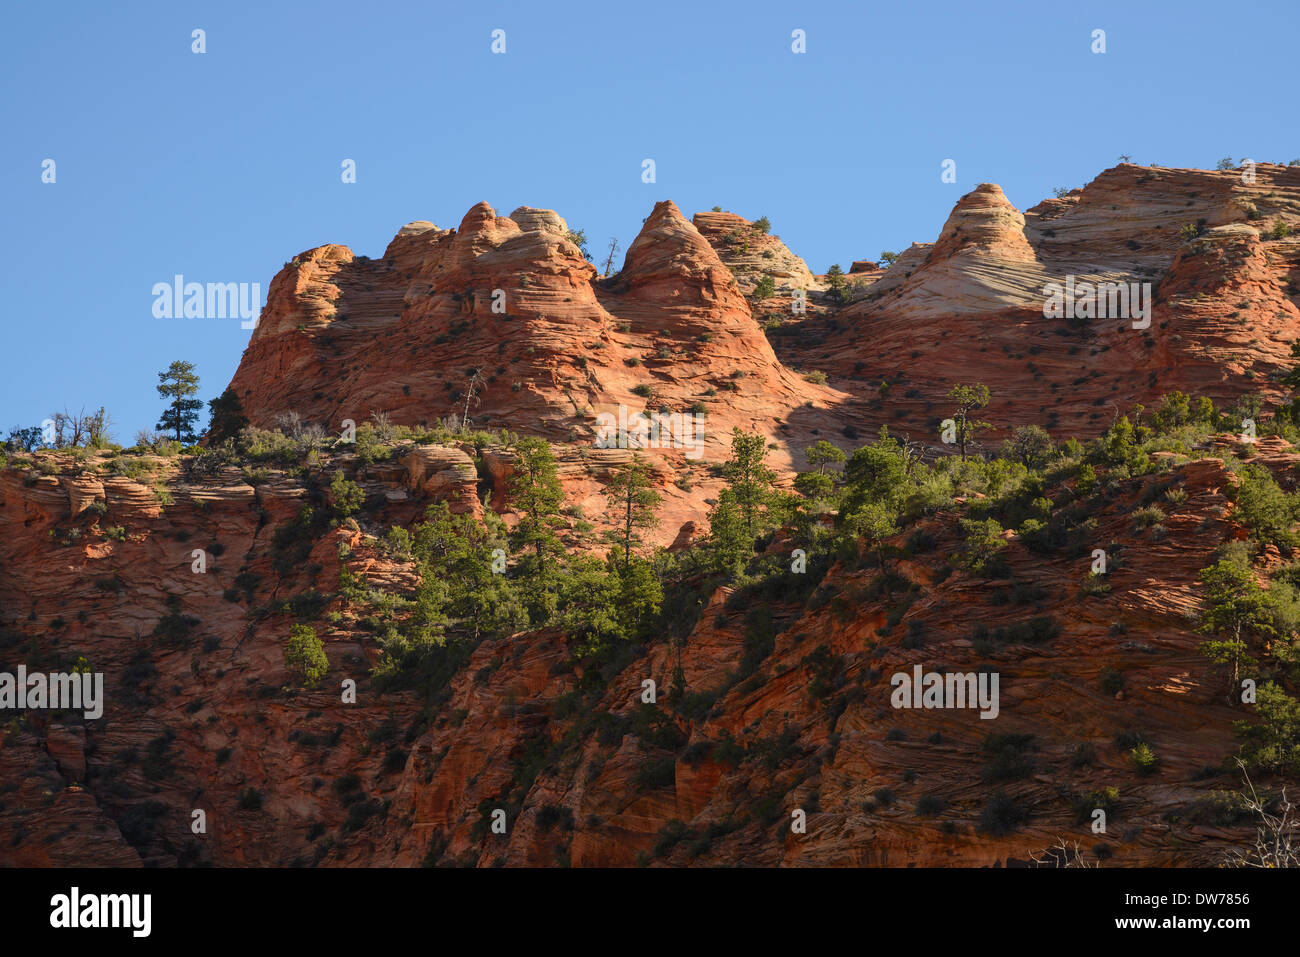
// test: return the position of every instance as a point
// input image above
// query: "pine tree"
(227, 417)
(1291, 410)
(536, 494)
(968, 399)
(836, 286)
(178, 384)
(728, 543)
(579, 238)
(345, 496)
(878, 475)
(745, 506)
(1235, 608)
(460, 582)
(633, 498)
(874, 523)
(823, 454)
(1031, 445)
(476, 382)
(818, 486)
(814, 486)
(1272, 743)
(613, 251)
(983, 546)
(587, 602)
(749, 480)
(305, 653)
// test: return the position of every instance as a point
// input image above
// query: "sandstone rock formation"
(786, 696)
(751, 253)
(1222, 322)
(198, 716)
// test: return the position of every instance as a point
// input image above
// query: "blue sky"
(223, 166)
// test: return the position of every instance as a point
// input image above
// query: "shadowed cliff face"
(199, 715)
(786, 703)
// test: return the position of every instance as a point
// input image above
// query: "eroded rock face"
(970, 307)
(820, 732)
(981, 262)
(197, 715)
(445, 475)
(908, 261)
(97, 564)
(751, 254)
(342, 338)
(528, 218)
(67, 746)
(194, 715)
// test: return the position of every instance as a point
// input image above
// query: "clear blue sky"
(223, 166)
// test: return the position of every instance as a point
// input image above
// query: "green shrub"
(928, 805)
(1094, 584)
(305, 653)
(1272, 744)
(1143, 759)
(670, 835)
(1219, 809)
(359, 813)
(1001, 815)
(882, 797)
(291, 543)
(346, 497)
(1264, 508)
(397, 542)
(174, 629)
(369, 445)
(1086, 482)
(1104, 798)
(1146, 517)
(1010, 760)
(983, 546)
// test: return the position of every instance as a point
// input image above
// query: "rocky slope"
(787, 692)
(200, 714)
(751, 252)
(970, 305)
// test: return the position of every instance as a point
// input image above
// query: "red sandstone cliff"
(97, 564)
